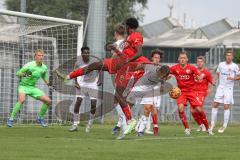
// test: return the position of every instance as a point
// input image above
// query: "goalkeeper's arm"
(23, 72)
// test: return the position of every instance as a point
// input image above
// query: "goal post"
(21, 34)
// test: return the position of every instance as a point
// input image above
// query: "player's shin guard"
(183, 118)
(43, 110)
(76, 73)
(15, 110)
(204, 119)
(197, 118)
(127, 112)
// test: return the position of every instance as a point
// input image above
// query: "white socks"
(149, 122)
(122, 119)
(214, 116)
(76, 119)
(142, 124)
(226, 117)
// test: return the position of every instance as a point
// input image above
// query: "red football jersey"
(184, 76)
(130, 46)
(203, 80)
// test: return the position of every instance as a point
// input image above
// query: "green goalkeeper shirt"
(37, 73)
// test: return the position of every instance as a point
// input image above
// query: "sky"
(198, 12)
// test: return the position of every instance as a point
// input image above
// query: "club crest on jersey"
(122, 78)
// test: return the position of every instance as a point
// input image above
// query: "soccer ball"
(175, 92)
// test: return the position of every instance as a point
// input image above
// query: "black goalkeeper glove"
(27, 74)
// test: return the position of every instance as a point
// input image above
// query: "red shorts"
(191, 97)
(126, 72)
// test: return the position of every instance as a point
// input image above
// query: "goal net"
(20, 35)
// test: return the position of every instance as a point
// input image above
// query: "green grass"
(56, 143)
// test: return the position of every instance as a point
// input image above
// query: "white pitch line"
(146, 139)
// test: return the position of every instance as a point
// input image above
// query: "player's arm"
(237, 77)
(23, 72)
(100, 77)
(210, 82)
(171, 75)
(137, 55)
(75, 79)
(45, 78)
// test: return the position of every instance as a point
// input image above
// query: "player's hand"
(77, 86)
(214, 82)
(99, 83)
(27, 74)
(231, 78)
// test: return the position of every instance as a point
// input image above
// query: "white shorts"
(144, 95)
(224, 95)
(88, 90)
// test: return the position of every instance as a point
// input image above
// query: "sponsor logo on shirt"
(184, 77)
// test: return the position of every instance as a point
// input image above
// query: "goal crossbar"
(27, 15)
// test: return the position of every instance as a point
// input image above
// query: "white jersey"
(119, 44)
(227, 70)
(90, 78)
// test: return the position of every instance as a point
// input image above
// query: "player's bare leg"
(92, 114)
(76, 115)
(214, 115)
(183, 118)
(226, 118)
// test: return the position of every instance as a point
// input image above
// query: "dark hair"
(132, 23)
(164, 69)
(183, 53)
(84, 48)
(157, 51)
(120, 29)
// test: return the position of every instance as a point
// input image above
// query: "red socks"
(183, 119)
(76, 73)
(203, 117)
(127, 112)
(197, 118)
(155, 120)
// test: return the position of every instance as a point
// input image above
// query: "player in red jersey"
(202, 88)
(122, 65)
(185, 74)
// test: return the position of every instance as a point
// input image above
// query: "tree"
(118, 10)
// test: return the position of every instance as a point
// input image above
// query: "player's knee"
(21, 101)
(181, 108)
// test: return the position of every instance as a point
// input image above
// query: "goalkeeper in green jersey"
(29, 74)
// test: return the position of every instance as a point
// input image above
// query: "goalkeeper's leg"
(16, 108)
(46, 103)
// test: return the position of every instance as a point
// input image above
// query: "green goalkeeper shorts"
(31, 91)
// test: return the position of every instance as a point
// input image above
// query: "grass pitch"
(56, 143)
